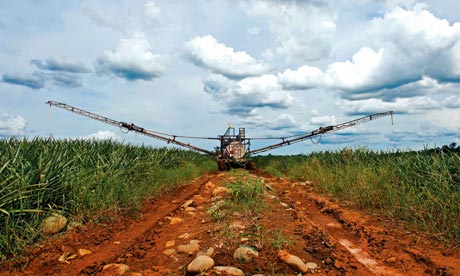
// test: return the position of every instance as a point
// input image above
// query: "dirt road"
(166, 236)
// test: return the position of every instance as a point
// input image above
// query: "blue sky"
(192, 67)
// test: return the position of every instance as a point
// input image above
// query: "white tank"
(235, 150)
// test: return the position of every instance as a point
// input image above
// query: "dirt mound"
(196, 219)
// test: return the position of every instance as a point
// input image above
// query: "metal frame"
(228, 137)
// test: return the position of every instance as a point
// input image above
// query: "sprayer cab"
(233, 150)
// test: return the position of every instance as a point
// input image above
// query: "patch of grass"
(247, 195)
(220, 211)
(277, 240)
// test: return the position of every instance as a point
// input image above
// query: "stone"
(175, 220)
(244, 254)
(227, 270)
(216, 198)
(53, 224)
(200, 264)
(170, 243)
(75, 226)
(84, 252)
(294, 261)
(115, 269)
(187, 203)
(391, 260)
(184, 236)
(312, 266)
(209, 185)
(209, 252)
(190, 248)
(220, 190)
(169, 251)
(237, 225)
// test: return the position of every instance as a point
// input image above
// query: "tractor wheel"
(222, 165)
(250, 165)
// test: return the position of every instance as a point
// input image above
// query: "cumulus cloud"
(422, 87)
(303, 29)
(63, 72)
(152, 12)
(244, 96)
(132, 59)
(424, 134)
(207, 52)
(281, 122)
(325, 120)
(305, 77)
(12, 125)
(67, 80)
(413, 49)
(102, 135)
(61, 65)
(452, 102)
(414, 43)
(34, 81)
(400, 105)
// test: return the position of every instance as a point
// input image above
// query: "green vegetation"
(245, 200)
(246, 197)
(422, 188)
(81, 179)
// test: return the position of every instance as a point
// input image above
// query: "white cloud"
(417, 43)
(426, 133)
(452, 102)
(415, 50)
(61, 64)
(242, 97)
(358, 74)
(400, 105)
(102, 135)
(304, 77)
(325, 120)
(34, 81)
(207, 52)
(303, 29)
(12, 125)
(281, 122)
(424, 86)
(152, 12)
(391, 4)
(132, 60)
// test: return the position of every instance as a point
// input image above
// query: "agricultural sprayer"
(235, 148)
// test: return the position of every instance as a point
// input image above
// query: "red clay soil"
(340, 240)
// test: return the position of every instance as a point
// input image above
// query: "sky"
(192, 68)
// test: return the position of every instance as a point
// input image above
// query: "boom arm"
(323, 130)
(128, 126)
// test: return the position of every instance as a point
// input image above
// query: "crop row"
(79, 178)
(422, 187)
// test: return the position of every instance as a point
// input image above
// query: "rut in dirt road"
(282, 227)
